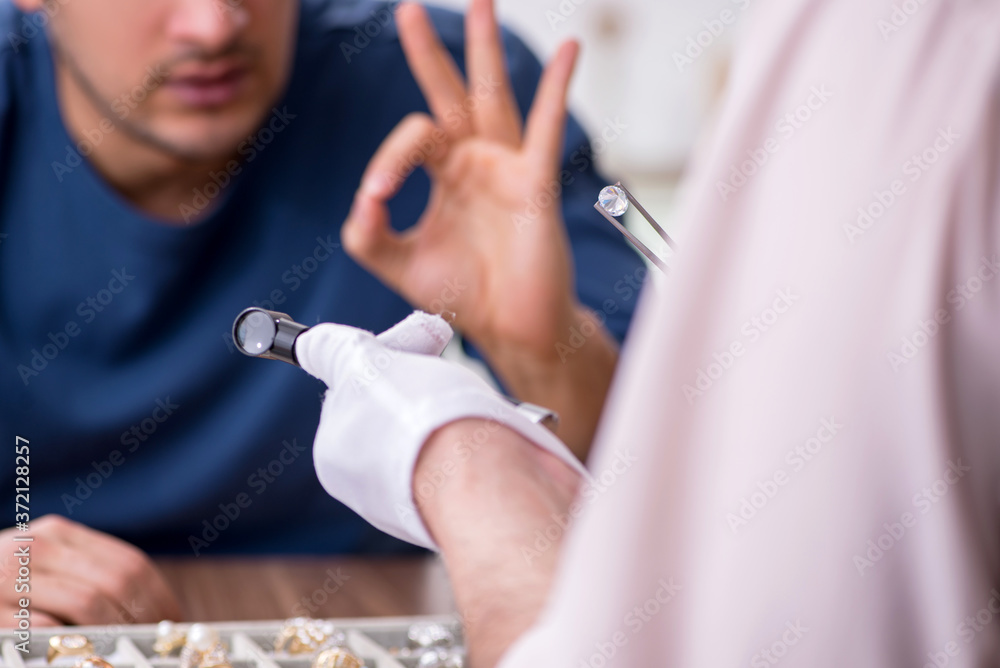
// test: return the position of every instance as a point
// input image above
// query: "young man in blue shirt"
(165, 164)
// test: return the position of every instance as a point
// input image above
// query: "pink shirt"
(798, 464)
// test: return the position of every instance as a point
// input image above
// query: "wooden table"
(224, 589)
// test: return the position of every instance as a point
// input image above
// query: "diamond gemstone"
(613, 200)
(430, 634)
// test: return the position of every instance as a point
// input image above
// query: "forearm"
(571, 376)
(484, 509)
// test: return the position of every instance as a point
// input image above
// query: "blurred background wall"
(654, 66)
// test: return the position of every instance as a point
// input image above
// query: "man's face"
(192, 78)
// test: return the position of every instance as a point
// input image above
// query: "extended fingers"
(496, 114)
(433, 67)
(546, 126)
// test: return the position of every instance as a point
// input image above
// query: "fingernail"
(374, 186)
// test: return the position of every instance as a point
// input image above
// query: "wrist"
(543, 357)
(570, 376)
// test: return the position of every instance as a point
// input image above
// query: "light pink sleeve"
(799, 462)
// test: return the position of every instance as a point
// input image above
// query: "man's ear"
(29, 5)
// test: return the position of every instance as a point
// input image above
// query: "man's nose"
(210, 25)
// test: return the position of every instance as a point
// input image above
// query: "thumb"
(371, 242)
(327, 351)
(420, 333)
(367, 235)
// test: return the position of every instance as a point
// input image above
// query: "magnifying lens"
(267, 334)
(271, 335)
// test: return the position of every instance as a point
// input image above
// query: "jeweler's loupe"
(267, 334)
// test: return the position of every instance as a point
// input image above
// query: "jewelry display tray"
(251, 644)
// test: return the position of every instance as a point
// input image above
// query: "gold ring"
(336, 657)
(302, 635)
(168, 638)
(190, 658)
(73, 644)
(92, 661)
(215, 658)
(203, 648)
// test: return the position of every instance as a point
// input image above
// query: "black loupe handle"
(267, 334)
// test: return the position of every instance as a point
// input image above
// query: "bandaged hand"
(387, 395)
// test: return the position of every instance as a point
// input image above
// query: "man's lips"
(206, 86)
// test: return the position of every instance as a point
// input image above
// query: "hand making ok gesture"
(505, 266)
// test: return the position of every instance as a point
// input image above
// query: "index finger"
(434, 69)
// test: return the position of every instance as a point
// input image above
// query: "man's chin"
(199, 137)
(211, 146)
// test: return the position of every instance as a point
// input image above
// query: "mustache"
(237, 50)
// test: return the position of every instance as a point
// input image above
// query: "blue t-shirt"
(115, 354)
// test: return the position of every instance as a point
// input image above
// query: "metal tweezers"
(641, 247)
